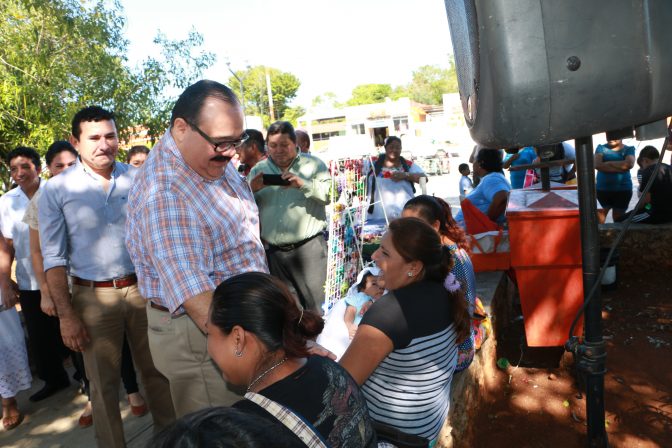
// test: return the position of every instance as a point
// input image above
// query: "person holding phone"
(291, 191)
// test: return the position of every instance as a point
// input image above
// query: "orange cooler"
(545, 238)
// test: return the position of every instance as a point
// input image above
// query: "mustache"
(221, 158)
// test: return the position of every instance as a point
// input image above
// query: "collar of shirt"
(295, 161)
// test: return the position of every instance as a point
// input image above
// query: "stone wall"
(646, 248)
(469, 385)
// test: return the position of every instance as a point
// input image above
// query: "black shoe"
(48, 390)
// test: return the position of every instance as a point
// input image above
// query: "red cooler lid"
(535, 202)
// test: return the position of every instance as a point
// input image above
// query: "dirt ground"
(543, 407)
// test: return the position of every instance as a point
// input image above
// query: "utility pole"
(240, 82)
(270, 95)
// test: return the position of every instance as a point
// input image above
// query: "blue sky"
(328, 45)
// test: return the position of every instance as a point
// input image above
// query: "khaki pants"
(107, 313)
(180, 352)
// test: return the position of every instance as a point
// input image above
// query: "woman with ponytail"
(405, 350)
(257, 336)
(436, 212)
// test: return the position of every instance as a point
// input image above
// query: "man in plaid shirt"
(192, 223)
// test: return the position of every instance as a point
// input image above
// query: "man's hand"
(47, 305)
(399, 176)
(257, 182)
(10, 294)
(316, 349)
(74, 333)
(294, 180)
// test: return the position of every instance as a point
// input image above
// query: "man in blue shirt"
(82, 218)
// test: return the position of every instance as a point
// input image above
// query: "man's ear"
(179, 129)
(74, 142)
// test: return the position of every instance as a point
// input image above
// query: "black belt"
(292, 246)
(165, 310)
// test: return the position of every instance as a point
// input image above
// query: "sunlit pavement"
(53, 423)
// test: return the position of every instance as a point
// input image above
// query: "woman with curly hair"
(436, 212)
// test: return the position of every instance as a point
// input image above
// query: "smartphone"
(275, 179)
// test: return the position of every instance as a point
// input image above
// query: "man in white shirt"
(43, 331)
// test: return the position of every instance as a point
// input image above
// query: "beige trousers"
(107, 313)
(180, 352)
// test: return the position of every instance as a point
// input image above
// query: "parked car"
(429, 154)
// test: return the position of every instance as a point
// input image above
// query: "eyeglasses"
(220, 146)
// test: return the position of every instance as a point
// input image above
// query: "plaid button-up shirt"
(186, 234)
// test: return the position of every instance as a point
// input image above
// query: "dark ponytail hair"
(414, 239)
(432, 209)
(262, 305)
(490, 160)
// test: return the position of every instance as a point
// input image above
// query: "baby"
(368, 291)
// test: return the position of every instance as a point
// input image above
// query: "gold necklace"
(266, 372)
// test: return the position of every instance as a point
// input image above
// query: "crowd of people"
(489, 188)
(207, 278)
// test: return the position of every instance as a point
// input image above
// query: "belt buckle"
(114, 283)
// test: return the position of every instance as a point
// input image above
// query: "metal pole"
(240, 82)
(270, 95)
(592, 353)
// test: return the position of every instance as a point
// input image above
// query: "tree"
(57, 56)
(284, 86)
(328, 99)
(178, 66)
(429, 84)
(292, 114)
(369, 94)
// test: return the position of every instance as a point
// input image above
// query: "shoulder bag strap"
(287, 417)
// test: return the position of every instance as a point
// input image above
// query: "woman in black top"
(405, 350)
(257, 336)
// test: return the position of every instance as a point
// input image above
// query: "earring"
(238, 353)
(410, 274)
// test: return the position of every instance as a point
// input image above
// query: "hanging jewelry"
(266, 372)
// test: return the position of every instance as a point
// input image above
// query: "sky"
(331, 46)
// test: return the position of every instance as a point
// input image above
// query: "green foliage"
(57, 56)
(430, 82)
(284, 86)
(428, 85)
(178, 65)
(292, 114)
(328, 99)
(369, 94)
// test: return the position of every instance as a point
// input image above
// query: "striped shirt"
(187, 234)
(410, 388)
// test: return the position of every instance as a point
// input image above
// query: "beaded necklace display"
(266, 372)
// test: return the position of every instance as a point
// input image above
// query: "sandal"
(138, 410)
(11, 421)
